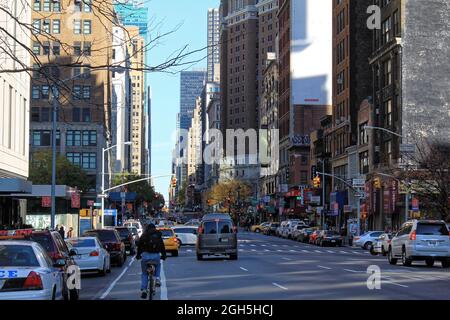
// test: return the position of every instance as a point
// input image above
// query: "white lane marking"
(317, 251)
(343, 252)
(281, 287)
(263, 245)
(241, 250)
(350, 270)
(243, 269)
(113, 284)
(394, 283)
(329, 251)
(322, 267)
(265, 250)
(253, 245)
(305, 251)
(355, 252)
(279, 250)
(274, 245)
(285, 245)
(292, 251)
(163, 283)
(253, 250)
(287, 259)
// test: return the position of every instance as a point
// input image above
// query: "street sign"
(97, 205)
(359, 183)
(415, 204)
(407, 148)
(110, 212)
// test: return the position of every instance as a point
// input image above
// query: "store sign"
(300, 140)
(46, 202)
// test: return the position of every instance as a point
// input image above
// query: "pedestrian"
(61, 232)
(70, 233)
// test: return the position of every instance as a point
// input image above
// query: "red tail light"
(200, 230)
(94, 254)
(413, 236)
(33, 282)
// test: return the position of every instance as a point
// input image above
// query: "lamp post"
(103, 179)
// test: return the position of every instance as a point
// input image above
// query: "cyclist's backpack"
(153, 242)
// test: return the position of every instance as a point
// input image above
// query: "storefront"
(12, 203)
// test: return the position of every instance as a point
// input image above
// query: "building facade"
(213, 46)
(14, 114)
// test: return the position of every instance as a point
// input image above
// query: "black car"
(270, 230)
(110, 239)
(328, 237)
(126, 235)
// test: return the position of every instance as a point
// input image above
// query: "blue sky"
(166, 15)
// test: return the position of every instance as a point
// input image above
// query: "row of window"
(85, 160)
(55, 5)
(43, 92)
(45, 48)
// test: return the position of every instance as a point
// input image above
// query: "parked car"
(421, 240)
(56, 249)
(128, 239)
(329, 237)
(28, 273)
(170, 241)
(297, 229)
(217, 235)
(187, 235)
(111, 241)
(281, 228)
(136, 224)
(304, 234)
(258, 228)
(313, 237)
(365, 240)
(289, 227)
(271, 228)
(381, 245)
(91, 255)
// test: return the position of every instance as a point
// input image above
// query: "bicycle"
(151, 285)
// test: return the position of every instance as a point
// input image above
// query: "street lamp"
(129, 143)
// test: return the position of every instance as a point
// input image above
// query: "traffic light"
(316, 182)
(174, 182)
(377, 183)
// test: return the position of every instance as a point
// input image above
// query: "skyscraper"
(133, 13)
(213, 45)
(191, 86)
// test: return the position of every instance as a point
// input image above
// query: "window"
(87, 48)
(45, 92)
(86, 115)
(87, 26)
(77, 48)
(36, 25)
(46, 48)
(74, 158)
(387, 69)
(73, 138)
(76, 72)
(77, 26)
(86, 92)
(89, 160)
(364, 162)
(304, 177)
(340, 22)
(43, 138)
(36, 48)
(56, 6)
(35, 114)
(56, 49)
(89, 138)
(76, 114)
(340, 51)
(37, 5)
(45, 114)
(87, 72)
(340, 82)
(363, 134)
(396, 23)
(76, 92)
(35, 92)
(77, 5)
(46, 7)
(388, 113)
(386, 28)
(56, 26)
(87, 5)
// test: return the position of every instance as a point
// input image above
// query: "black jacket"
(144, 244)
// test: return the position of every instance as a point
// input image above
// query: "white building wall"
(14, 92)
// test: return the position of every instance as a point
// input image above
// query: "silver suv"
(427, 240)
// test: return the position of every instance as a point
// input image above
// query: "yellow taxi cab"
(259, 227)
(171, 242)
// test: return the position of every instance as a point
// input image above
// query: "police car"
(28, 273)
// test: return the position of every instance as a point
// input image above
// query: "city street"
(271, 268)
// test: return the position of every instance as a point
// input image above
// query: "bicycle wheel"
(151, 287)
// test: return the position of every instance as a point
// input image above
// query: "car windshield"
(166, 233)
(210, 227)
(103, 235)
(376, 234)
(123, 232)
(186, 230)
(82, 243)
(17, 256)
(435, 229)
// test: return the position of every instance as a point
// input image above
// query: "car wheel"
(407, 262)
(445, 264)
(367, 245)
(175, 253)
(391, 258)
(233, 257)
(429, 262)
(102, 272)
(199, 257)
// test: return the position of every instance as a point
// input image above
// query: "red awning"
(293, 193)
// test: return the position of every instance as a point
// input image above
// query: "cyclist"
(150, 248)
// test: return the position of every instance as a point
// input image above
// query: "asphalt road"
(271, 268)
